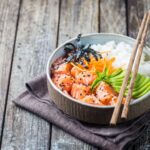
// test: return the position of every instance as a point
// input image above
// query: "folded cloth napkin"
(36, 100)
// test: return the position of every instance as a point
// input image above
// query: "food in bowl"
(94, 73)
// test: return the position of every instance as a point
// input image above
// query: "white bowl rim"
(144, 97)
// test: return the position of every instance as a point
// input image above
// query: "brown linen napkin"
(36, 100)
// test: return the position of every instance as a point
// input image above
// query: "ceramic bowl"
(88, 112)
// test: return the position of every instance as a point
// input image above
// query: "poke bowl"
(84, 76)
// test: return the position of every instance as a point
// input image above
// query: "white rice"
(122, 52)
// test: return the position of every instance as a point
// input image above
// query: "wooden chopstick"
(116, 111)
(135, 71)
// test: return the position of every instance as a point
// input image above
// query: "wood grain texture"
(136, 11)
(79, 16)
(36, 37)
(8, 15)
(113, 16)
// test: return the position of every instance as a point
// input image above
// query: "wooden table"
(29, 31)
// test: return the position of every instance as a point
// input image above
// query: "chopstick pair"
(134, 59)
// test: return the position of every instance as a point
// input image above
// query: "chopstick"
(135, 71)
(117, 108)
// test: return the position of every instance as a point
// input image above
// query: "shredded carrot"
(103, 63)
(97, 65)
(78, 66)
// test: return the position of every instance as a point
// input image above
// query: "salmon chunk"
(63, 82)
(91, 99)
(79, 91)
(75, 71)
(85, 78)
(105, 93)
(63, 69)
(114, 100)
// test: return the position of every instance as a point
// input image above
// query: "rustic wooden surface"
(8, 15)
(29, 31)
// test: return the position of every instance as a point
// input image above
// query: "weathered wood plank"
(8, 23)
(36, 37)
(113, 16)
(136, 11)
(80, 16)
